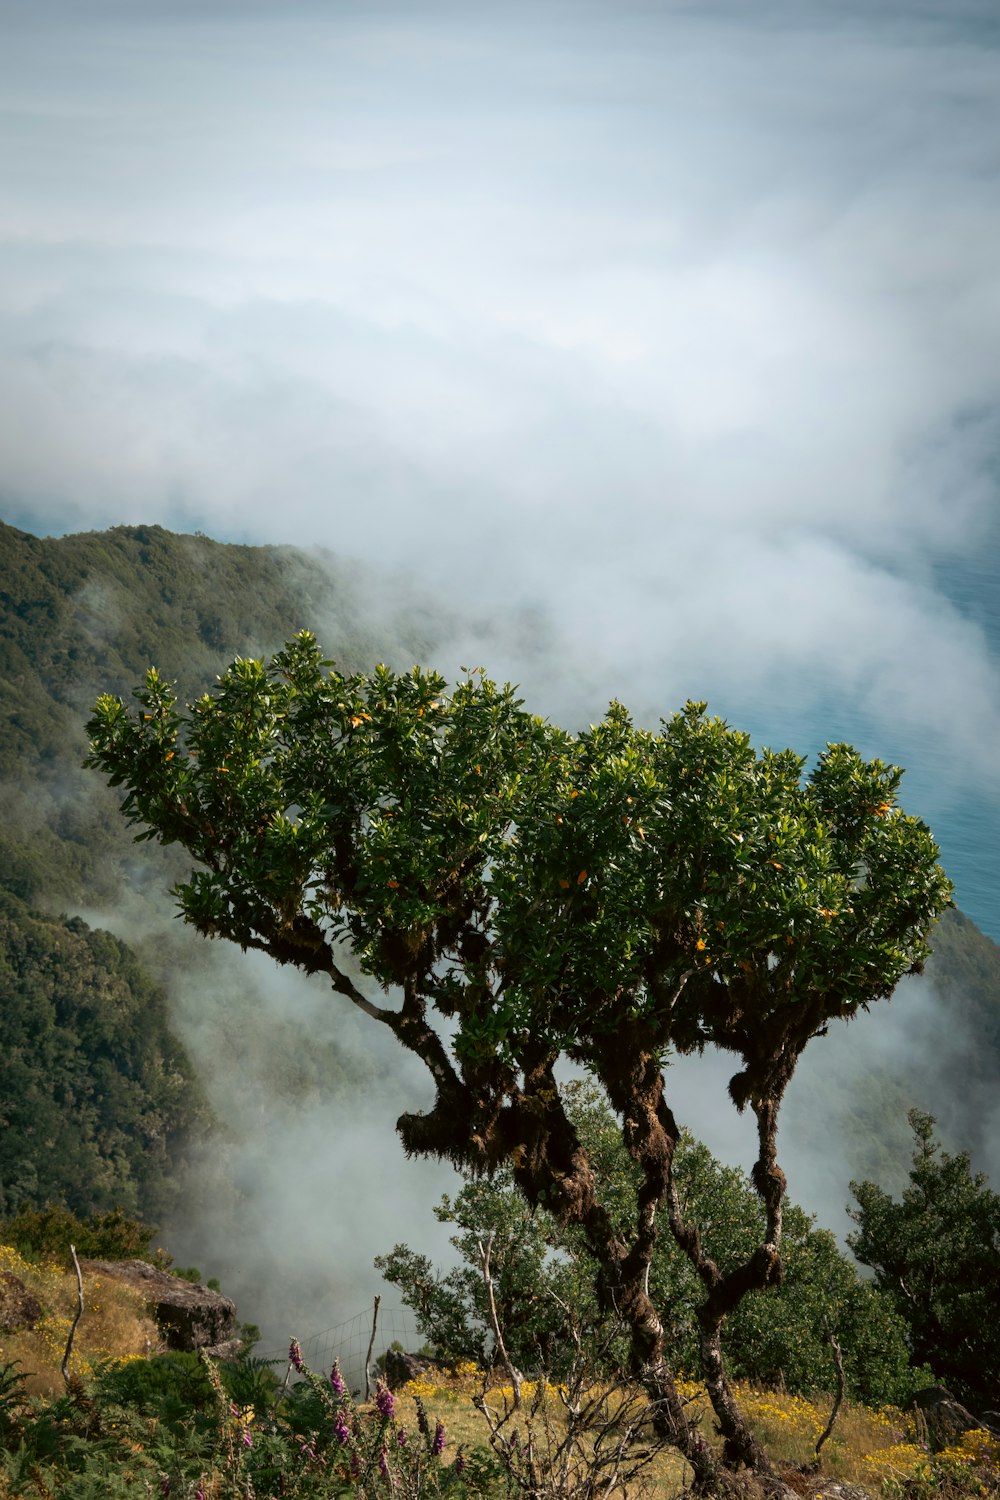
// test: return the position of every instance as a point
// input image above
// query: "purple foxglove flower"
(336, 1379)
(422, 1418)
(355, 1465)
(247, 1440)
(165, 1485)
(385, 1402)
(401, 1436)
(295, 1354)
(341, 1431)
(383, 1464)
(437, 1446)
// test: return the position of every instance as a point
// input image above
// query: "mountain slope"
(100, 1098)
(97, 1093)
(84, 614)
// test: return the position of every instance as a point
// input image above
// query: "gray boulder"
(188, 1316)
(401, 1368)
(944, 1416)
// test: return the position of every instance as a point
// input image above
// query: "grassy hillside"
(134, 1420)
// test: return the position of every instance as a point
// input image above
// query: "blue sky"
(678, 322)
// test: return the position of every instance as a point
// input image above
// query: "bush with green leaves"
(936, 1257)
(38, 1232)
(188, 1427)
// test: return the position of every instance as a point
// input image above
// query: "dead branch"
(485, 1252)
(371, 1345)
(838, 1360)
(79, 1315)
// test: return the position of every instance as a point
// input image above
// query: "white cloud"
(680, 322)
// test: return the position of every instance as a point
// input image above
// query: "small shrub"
(165, 1386)
(39, 1232)
(187, 1273)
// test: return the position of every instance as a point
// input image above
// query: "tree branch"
(78, 1315)
(485, 1251)
(838, 1360)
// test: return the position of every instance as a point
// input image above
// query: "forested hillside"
(97, 1093)
(99, 1098)
(86, 614)
(80, 615)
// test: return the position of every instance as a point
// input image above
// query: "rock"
(19, 1308)
(401, 1368)
(230, 1350)
(188, 1316)
(839, 1489)
(812, 1486)
(991, 1419)
(945, 1416)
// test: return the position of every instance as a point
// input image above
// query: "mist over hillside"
(301, 1180)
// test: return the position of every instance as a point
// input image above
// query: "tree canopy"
(523, 893)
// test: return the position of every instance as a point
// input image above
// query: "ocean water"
(962, 810)
(969, 830)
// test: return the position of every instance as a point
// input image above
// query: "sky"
(675, 325)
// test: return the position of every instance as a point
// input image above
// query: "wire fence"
(347, 1342)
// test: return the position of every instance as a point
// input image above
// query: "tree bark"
(555, 1170)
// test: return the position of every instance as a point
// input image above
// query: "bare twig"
(371, 1345)
(485, 1252)
(595, 1448)
(838, 1360)
(79, 1315)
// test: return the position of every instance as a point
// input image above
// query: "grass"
(881, 1450)
(884, 1450)
(450, 1399)
(114, 1325)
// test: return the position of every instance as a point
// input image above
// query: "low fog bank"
(307, 1181)
(304, 1180)
(845, 1113)
(291, 1215)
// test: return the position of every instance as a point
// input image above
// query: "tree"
(543, 1278)
(936, 1253)
(526, 894)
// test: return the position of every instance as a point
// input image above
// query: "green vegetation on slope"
(85, 614)
(98, 1097)
(96, 1093)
